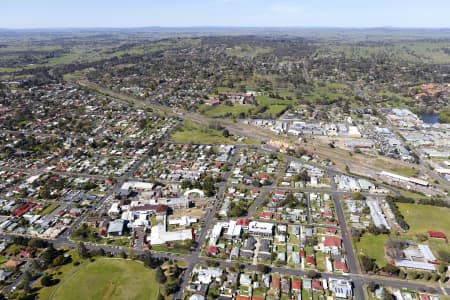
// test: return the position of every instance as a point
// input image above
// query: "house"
(296, 285)
(331, 243)
(436, 235)
(317, 285)
(26, 253)
(245, 279)
(341, 288)
(4, 275)
(197, 297)
(116, 227)
(234, 253)
(266, 279)
(250, 244)
(265, 215)
(276, 282)
(12, 263)
(212, 251)
(285, 285)
(341, 266)
(281, 256)
(206, 276)
(307, 283)
(295, 258)
(310, 260)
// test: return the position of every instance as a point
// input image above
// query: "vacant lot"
(373, 246)
(109, 279)
(422, 218)
(194, 133)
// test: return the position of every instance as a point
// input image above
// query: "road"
(347, 239)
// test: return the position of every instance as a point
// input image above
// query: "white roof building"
(183, 221)
(137, 185)
(260, 228)
(233, 230)
(206, 276)
(341, 288)
(415, 265)
(159, 235)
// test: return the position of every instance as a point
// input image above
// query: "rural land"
(231, 164)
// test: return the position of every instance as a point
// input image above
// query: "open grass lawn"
(397, 169)
(107, 279)
(219, 111)
(267, 108)
(373, 246)
(194, 133)
(422, 218)
(48, 209)
(411, 194)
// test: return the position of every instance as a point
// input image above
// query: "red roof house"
(239, 297)
(317, 285)
(311, 260)
(212, 250)
(340, 265)
(296, 285)
(436, 235)
(265, 215)
(275, 283)
(243, 221)
(332, 242)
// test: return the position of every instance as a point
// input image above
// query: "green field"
(219, 111)
(108, 279)
(267, 108)
(48, 209)
(194, 133)
(412, 194)
(373, 246)
(422, 218)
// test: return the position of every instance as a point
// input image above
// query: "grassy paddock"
(108, 279)
(422, 218)
(373, 246)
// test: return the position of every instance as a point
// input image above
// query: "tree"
(123, 255)
(225, 133)
(262, 268)
(160, 276)
(442, 268)
(391, 269)
(358, 196)
(312, 274)
(368, 263)
(160, 297)
(83, 252)
(57, 261)
(37, 243)
(372, 286)
(46, 280)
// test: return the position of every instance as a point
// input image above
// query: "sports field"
(108, 279)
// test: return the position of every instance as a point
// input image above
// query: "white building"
(341, 288)
(260, 228)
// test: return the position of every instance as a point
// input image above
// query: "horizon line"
(220, 27)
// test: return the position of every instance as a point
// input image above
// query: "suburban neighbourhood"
(225, 163)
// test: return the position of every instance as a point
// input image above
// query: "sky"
(224, 13)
